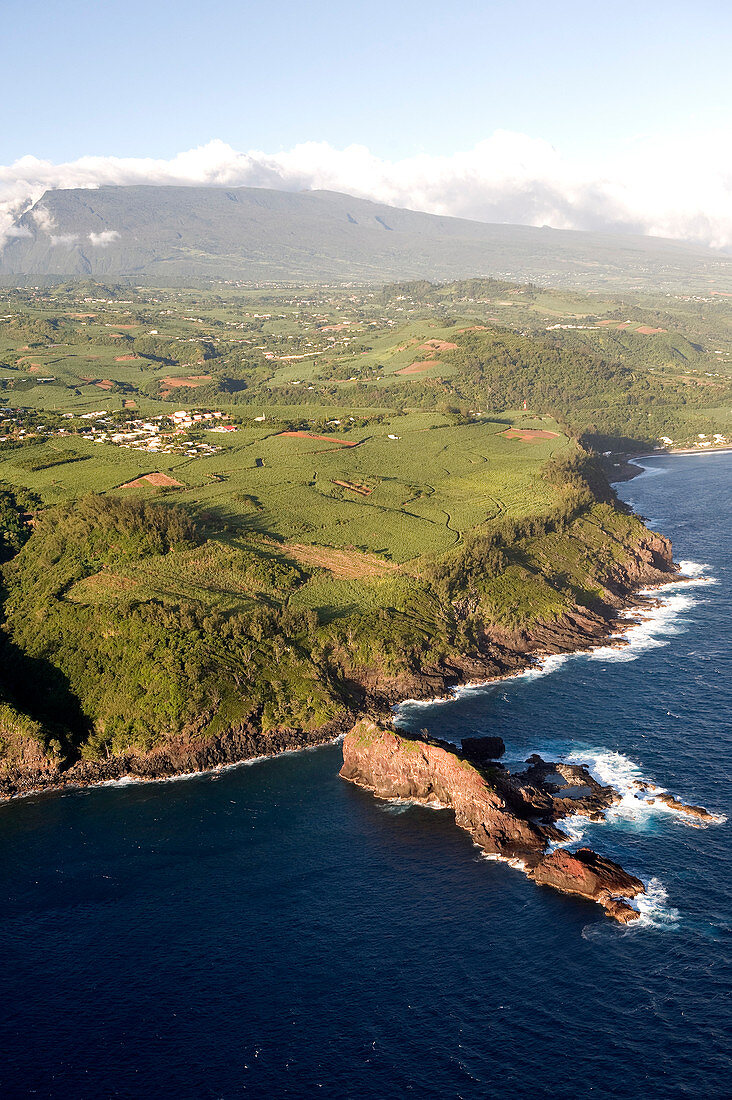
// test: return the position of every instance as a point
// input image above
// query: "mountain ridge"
(183, 235)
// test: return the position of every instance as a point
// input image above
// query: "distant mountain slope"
(190, 235)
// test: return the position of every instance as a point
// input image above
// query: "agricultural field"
(410, 485)
(380, 425)
(240, 500)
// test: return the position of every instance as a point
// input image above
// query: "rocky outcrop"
(590, 876)
(394, 767)
(697, 813)
(498, 810)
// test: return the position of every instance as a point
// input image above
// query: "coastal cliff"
(149, 691)
(510, 817)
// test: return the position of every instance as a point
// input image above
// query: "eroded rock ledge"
(509, 816)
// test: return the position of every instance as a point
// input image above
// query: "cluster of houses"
(702, 440)
(165, 434)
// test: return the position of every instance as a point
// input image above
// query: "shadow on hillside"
(38, 689)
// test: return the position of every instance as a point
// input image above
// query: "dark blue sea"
(272, 931)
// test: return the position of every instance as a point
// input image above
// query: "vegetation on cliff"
(128, 625)
(353, 497)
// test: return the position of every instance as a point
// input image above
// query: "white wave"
(638, 793)
(574, 826)
(692, 568)
(653, 908)
(493, 857)
(545, 666)
(400, 805)
(210, 773)
(641, 628)
(653, 625)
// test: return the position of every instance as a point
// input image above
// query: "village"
(174, 433)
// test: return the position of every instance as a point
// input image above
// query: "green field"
(426, 487)
(358, 516)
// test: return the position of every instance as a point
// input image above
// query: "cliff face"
(498, 810)
(183, 755)
(394, 767)
(628, 558)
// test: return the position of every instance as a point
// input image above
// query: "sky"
(617, 116)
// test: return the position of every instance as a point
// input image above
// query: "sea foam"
(641, 628)
(638, 793)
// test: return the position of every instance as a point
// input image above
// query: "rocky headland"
(364, 690)
(509, 816)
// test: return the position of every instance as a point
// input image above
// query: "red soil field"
(437, 345)
(349, 564)
(419, 368)
(125, 358)
(152, 479)
(323, 438)
(530, 435)
(644, 330)
(354, 487)
(190, 382)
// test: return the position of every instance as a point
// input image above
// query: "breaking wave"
(653, 908)
(638, 793)
(641, 628)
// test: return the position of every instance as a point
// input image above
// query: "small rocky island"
(509, 816)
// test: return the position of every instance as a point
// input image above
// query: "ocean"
(270, 930)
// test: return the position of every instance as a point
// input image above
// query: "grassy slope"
(154, 629)
(292, 584)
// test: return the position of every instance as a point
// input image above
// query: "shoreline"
(629, 466)
(607, 635)
(611, 641)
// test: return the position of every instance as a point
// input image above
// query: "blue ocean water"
(271, 930)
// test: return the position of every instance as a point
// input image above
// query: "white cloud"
(43, 219)
(65, 240)
(106, 237)
(667, 187)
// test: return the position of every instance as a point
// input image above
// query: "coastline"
(628, 466)
(614, 640)
(507, 657)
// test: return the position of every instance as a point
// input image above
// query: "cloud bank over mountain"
(662, 187)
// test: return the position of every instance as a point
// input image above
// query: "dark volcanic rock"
(591, 876)
(480, 749)
(697, 812)
(394, 767)
(563, 789)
